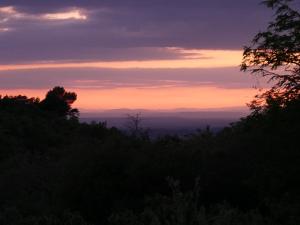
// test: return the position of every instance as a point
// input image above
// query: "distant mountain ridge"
(235, 112)
(181, 122)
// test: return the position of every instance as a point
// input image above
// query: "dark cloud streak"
(139, 78)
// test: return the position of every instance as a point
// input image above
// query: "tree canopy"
(275, 54)
(59, 101)
(56, 170)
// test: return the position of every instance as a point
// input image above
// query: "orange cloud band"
(197, 59)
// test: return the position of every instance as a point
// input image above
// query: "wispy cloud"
(4, 29)
(73, 14)
(8, 14)
(87, 78)
(189, 59)
(9, 10)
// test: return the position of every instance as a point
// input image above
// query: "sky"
(154, 54)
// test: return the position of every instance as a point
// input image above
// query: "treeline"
(55, 170)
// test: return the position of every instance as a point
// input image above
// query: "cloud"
(137, 88)
(10, 16)
(84, 78)
(91, 30)
(4, 29)
(107, 54)
(74, 14)
(158, 53)
(10, 12)
(194, 58)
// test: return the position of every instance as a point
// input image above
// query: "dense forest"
(55, 170)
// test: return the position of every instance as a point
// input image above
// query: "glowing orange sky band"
(199, 59)
(157, 98)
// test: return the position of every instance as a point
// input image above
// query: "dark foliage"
(50, 163)
(59, 101)
(275, 54)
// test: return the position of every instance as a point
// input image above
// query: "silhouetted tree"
(18, 100)
(275, 54)
(134, 123)
(134, 126)
(59, 101)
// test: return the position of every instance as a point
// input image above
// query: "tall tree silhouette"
(59, 101)
(275, 54)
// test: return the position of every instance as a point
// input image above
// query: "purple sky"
(114, 29)
(57, 31)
